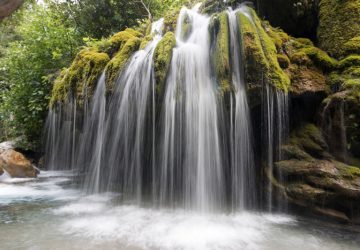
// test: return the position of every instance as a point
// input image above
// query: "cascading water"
(190, 142)
(242, 161)
(275, 132)
(172, 150)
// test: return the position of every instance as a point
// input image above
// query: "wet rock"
(17, 165)
(313, 178)
(1, 170)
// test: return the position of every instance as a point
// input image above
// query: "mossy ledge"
(80, 77)
(162, 60)
(220, 45)
(260, 53)
(118, 62)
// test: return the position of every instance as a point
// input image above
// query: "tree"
(45, 45)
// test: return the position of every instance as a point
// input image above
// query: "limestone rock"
(17, 165)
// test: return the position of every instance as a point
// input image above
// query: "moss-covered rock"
(162, 60)
(260, 53)
(118, 62)
(339, 26)
(81, 77)
(170, 20)
(312, 178)
(220, 56)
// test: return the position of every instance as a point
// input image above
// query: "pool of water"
(50, 213)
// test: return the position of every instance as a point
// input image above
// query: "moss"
(283, 60)
(352, 46)
(219, 28)
(305, 42)
(278, 36)
(118, 62)
(300, 58)
(338, 25)
(348, 172)
(352, 60)
(162, 60)
(117, 41)
(170, 20)
(81, 77)
(321, 58)
(309, 138)
(261, 48)
(146, 41)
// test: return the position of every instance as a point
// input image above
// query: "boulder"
(17, 165)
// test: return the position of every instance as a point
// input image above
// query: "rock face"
(312, 178)
(17, 165)
(296, 17)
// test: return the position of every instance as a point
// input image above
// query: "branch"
(147, 8)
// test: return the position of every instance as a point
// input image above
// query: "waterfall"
(275, 129)
(60, 136)
(242, 161)
(190, 141)
(183, 147)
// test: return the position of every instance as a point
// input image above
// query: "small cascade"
(60, 136)
(191, 162)
(333, 126)
(242, 159)
(91, 144)
(275, 129)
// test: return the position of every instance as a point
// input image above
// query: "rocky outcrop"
(313, 178)
(17, 165)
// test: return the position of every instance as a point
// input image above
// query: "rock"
(296, 17)
(312, 178)
(1, 170)
(16, 165)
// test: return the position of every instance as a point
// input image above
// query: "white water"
(47, 213)
(242, 160)
(191, 160)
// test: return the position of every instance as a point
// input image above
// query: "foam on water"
(48, 215)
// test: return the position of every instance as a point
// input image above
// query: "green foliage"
(44, 45)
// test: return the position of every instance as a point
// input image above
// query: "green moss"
(309, 138)
(260, 46)
(118, 62)
(83, 73)
(338, 25)
(117, 41)
(305, 42)
(170, 20)
(283, 60)
(348, 172)
(352, 46)
(300, 58)
(321, 58)
(146, 41)
(219, 28)
(278, 36)
(162, 60)
(352, 60)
